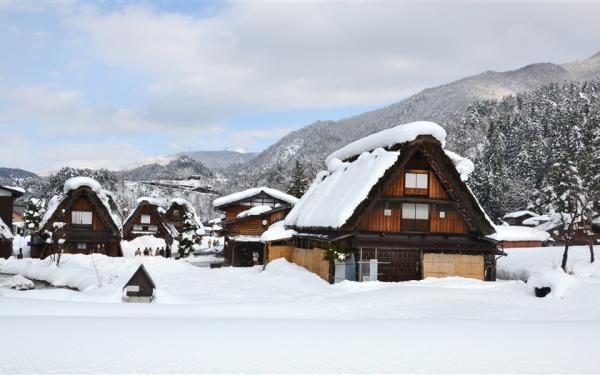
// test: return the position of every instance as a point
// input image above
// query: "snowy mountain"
(15, 173)
(211, 159)
(311, 144)
(178, 168)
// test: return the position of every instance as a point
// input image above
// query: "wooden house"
(140, 287)
(8, 194)
(247, 215)
(396, 206)
(148, 219)
(518, 217)
(85, 216)
(176, 211)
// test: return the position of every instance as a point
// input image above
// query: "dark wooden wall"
(376, 221)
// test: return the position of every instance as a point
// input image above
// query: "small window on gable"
(176, 213)
(416, 183)
(145, 219)
(81, 217)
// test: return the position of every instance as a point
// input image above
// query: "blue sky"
(105, 84)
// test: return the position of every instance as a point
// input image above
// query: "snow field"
(287, 320)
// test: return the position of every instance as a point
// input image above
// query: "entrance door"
(394, 264)
(248, 254)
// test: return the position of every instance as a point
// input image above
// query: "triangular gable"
(71, 198)
(445, 171)
(161, 219)
(141, 270)
(441, 164)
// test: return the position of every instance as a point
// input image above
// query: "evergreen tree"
(34, 210)
(299, 182)
(189, 235)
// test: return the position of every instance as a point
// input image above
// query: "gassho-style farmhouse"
(393, 206)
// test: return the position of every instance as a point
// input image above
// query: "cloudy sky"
(105, 84)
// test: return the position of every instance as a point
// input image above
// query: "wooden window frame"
(416, 190)
(414, 224)
(80, 225)
(142, 216)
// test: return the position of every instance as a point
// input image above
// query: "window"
(81, 217)
(145, 219)
(176, 213)
(415, 217)
(387, 212)
(416, 180)
(81, 246)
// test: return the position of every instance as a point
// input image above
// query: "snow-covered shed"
(248, 214)
(140, 287)
(8, 194)
(396, 201)
(85, 216)
(148, 219)
(512, 236)
(518, 217)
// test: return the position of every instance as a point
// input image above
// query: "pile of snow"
(254, 211)
(17, 282)
(334, 195)
(463, 166)
(519, 214)
(555, 278)
(397, 135)
(129, 247)
(277, 232)
(5, 231)
(77, 182)
(235, 197)
(518, 233)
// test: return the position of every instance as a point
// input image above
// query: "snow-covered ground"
(287, 320)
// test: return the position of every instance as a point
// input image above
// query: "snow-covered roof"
(536, 220)
(14, 189)
(152, 200)
(518, 233)
(5, 232)
(519, 214)
(235, 197)
(254, 211)
(243, 238)
(336, 193)
(190, 208)
(77, 182)
(277, 232)
(387, 138)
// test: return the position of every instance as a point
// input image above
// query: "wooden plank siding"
(83, 204)
(232, 212)
(376, 221)
(311, 259)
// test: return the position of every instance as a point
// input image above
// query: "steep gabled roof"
(188, 206)
(141, 270)
(249, 193)
(340, 196)
(76, 188)
(157, 211)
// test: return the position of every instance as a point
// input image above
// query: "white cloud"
(267, 56)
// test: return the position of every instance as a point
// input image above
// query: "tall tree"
(299, 182)
(189, 235)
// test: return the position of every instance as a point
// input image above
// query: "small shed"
(140, 287)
